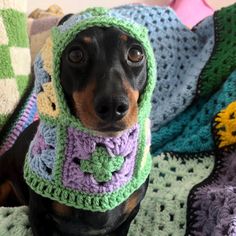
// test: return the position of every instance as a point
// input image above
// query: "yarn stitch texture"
(69, 174)
(14, 73)
(14, 57)
(210, 205)
(225, 126)
(101, 165)
(164, 207)
(223, 61)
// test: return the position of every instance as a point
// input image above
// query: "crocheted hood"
(66, 161)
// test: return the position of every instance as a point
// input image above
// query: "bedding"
(192, 183)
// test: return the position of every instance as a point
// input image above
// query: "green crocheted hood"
(64, 162)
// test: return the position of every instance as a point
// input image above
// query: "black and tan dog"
(113, 66)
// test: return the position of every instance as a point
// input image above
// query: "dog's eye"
(76, 56)
(135, 54)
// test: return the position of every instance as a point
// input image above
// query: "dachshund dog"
(102, 73)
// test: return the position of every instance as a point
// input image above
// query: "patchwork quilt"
(192, 187)
(14, 56)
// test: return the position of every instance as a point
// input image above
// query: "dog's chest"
(82, 170)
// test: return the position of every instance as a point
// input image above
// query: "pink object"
(191, 12)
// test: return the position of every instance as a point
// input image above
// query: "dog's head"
(96, 72)
(103, 73)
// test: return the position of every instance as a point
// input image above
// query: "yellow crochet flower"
(47, 102)
(226, 125)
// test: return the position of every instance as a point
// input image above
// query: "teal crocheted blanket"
(192, 187)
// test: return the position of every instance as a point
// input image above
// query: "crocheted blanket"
(14, 56)
(192, 186)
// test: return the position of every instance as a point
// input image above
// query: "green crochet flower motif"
(101, 165)
(97, 11)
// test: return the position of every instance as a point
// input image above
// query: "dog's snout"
(111, 109)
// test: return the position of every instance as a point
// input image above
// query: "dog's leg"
(39, 217)
(5, 191)
(5, 187)
(7, 194)
(13, 189)
(124, 228)
(132, 209)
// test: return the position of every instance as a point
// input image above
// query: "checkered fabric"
(14, 55)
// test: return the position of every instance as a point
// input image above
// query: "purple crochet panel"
(40, 145)
(214, 204)
(232, 228)
(80, 146)
(42, 152)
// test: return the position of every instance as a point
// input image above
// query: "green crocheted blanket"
(14, 56)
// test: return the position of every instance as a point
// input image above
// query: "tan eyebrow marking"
(124, 37)
(87, 39)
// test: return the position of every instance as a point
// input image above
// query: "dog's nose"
(111, 109)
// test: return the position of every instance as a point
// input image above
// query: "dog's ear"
(64, 18)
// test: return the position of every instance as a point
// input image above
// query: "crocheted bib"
(66, 161)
